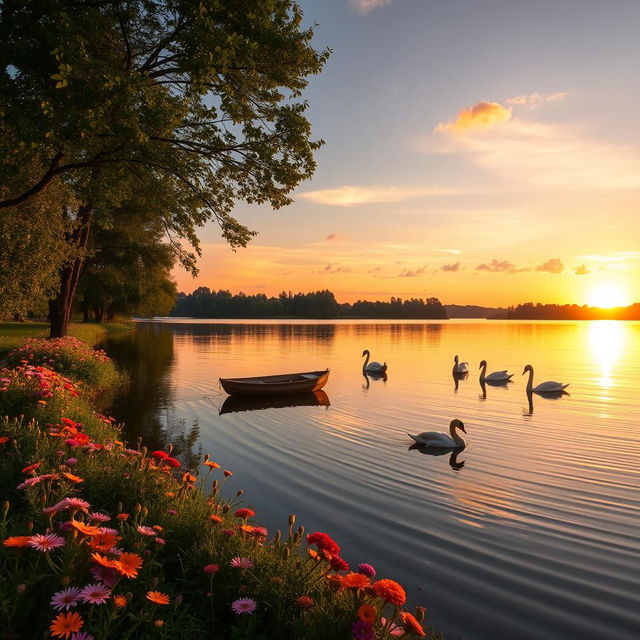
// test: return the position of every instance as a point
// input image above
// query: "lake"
(531, 532)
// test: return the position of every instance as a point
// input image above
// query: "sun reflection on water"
(606, 340)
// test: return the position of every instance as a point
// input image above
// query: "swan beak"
(462, 428)
(525, 371)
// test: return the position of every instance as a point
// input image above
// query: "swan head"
(457, 424)
(365, 353)
(455, 359)
(527, 368)
(483, 363)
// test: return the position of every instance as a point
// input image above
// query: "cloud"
(336, 267)
(451, 267)
(482, 115)
(533, 100)
(349, 196)
(553, 265)
(582, 270)
(618, 256)
(455, 252)
(500, 266)
(335, 237)
(412, 273)
(364, 6)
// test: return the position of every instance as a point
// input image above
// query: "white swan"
(460, 367)
(544, 387)
(373, 367)
(496, 376)
(440, 438)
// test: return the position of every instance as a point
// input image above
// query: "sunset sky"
(481, 151)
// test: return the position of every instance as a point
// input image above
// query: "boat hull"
(276, 385)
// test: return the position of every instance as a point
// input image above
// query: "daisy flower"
(83, 635)
(46, 543)
(99, 517)
(65, 599)
(243, 605)
(64, 624)
(241, 563)
(157, 597)
(145, 531)
(95, 593)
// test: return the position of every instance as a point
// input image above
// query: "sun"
(607, 296)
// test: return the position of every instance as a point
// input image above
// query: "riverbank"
(102, 537)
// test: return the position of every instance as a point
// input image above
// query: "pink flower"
(106, 575)
(71, 462)
(146, 531)
(65, 599)
(46, 543)
(29, 482)
(243, 605)
(367, 570)
(229, 532)
(159, 541)
(362, 630)
(82, 635)
(113, 532)
(99, 517)
(74, 504)
(95, 593)
(241, 563)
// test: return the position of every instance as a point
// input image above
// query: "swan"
(372, 367)
(460, 367)
(441, 439)
(496, 376)
(544, 387)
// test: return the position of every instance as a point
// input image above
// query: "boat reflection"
(369, 375)
(234, 404)
(438, 451)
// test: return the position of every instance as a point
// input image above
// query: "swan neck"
(454, 434)
(366, 361)
(483, 372)
(530, 381)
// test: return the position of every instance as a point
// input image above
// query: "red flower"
(411, 625)
(244, 513)
(324, 543)
(31, 467)
(338, 564)
(304, 602)
(162, 455)
(172, 462)
(211, 568)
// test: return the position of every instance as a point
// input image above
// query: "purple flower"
(362, 630)
(246, 605)
(106, 575)
(65, 599)
(46, 543)
(367, 570)
(95, 593)
(81, 635)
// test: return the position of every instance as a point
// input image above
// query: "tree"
(202, 101)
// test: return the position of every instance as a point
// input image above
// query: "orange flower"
(157, 597)
(17, 541)
(157, 527)
(85, 529)
(31, 467)
(367, 613)
(312, 553)
(72, 478)
(227, 473)
(104, 541)
(214, 518)
(390, 591)
(170, 494)
(120, 601)
(355, 581)
(129, 563)
(212, 464)
(189, 478)
(64, 624)
(122, 516)
(105, 562)
(411, 625)
(334, 581)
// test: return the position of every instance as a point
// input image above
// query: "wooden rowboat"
(276, 385)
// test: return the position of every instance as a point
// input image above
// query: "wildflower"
(160, 455)
(229, 532)
(83, 635)
(4, 439)
(85, 529)
(243, 605)
(32, 467)
(259, 532)
(17, 542)
(227, 473)
(362, 630)
(244, 513)
(211, 569)
(339, 564)
(324, 543)
(159, 541)
(64, 624)
(304, 602)
(157, 597)
(172, 512)
(119, 601)
(29, 482)
(122, 517)
(45, 543)
(71, 462)
(367, 570)
(241, 563)
(104, 541)
(411, 625)
(172, 462)
(211, 464)
(354, 581)
(394, 629)
(145, 531)
(108, 576)
(95, 594)
(73, 504)
(65, 599)
(390, 591)
(103, 561)
(188, 478)
(72, 478)
(129, 563)
(99, 517)
(367, 613)
(215, 518)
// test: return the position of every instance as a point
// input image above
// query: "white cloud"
(349, 196)
(364, 6)
(535, 99)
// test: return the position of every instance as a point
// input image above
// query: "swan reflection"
(554, 395)
(234, 404)
(369, 375)
(435, 451)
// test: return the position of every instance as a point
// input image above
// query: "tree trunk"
(85, 311)
(61, 306)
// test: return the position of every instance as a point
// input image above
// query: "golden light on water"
(607, 296)
(606, 339)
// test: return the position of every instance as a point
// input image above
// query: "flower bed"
(101, 540)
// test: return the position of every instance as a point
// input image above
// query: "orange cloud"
(553, 265)
(349, 196)
(482, 115)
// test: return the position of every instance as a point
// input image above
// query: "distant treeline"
(531, 311)
(204, 303)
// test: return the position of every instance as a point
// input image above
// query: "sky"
(480, 151)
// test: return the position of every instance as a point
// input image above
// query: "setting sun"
(607, 296)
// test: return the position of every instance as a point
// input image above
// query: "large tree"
(201, 100)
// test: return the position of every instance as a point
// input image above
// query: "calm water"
(530, 532)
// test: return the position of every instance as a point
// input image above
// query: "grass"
(170, 555)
